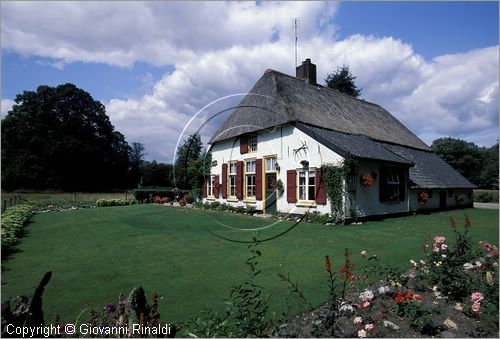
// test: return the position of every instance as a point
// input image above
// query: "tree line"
(60, 138)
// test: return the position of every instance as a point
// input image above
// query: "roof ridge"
(270, 70)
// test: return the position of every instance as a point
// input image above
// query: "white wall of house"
(454, 198)
(367, 198)
(285, 142)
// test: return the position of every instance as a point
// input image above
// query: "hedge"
(114, 202)
(13, 220)
(147, 194)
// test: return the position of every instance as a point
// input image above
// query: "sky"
(163, 69)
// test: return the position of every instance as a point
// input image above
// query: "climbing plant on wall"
(334, 177)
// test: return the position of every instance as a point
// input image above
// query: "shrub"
(13, 220)
(114, 202)
(147, 194)
(485, 196)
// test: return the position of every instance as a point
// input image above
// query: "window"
(232, 179)
(252, 143)
(250, 178)
(210, 186)
(307, 184)
(392, 184)
(271, 164)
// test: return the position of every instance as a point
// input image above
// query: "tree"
(191, 163)
(478, 164)
(343, 81)
(61, 138)
(135, 160)
(156, 174)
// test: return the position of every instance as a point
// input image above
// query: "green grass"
(96, 254)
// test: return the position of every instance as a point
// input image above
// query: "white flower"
(478, 264)
(443, 255)
(438, 263)
(346, 308)
(444, 247)
(413, 262)
(422, 262)
(366, 295)
(362, 334)
(383, 290)
(357, 320)
(435, 288)
(468, 266)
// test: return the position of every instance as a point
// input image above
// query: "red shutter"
(224, 181)
(258, 179)
(216, 187)
(243, 144)
(204, 188)
(239, 180)
(320, 187)
(291, 186)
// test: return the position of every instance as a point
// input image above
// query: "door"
(270, 193)
(442, 200)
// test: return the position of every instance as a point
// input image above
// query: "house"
(288, 129)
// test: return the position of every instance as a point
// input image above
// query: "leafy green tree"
(343, 81)
(478, 164)
(156, 174)
(191, 163)
(136, 159)
(61, 138)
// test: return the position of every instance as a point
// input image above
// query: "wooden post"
(4, 207)
(75, 197)
(10, 202)
(126, 195)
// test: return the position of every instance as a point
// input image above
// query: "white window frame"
(252, 143)
(270, 163)
(393, 184)
(210, 186)
(250, 178)
(231, 179)
(306, 191)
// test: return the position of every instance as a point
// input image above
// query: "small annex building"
(271, 153)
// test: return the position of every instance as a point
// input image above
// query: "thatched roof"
(278, 98)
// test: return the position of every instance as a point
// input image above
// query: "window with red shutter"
(224, 181)
(291, 186)
(320, 187)
(258, 179)
(216, 187)
(204, 188)
(243, 144)
(239, 180)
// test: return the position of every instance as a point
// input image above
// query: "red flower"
(399, 299)
(419, 297)
(409, 295)
(328, 264)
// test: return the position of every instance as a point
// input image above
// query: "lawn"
(96, 254)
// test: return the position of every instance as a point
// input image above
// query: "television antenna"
(296, 24)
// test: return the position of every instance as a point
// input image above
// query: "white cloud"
(5, 107)
(219, 49)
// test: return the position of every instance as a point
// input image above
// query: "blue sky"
(154, 65)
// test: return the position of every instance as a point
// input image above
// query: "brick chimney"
(307, 71)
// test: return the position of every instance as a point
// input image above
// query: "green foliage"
(13, 220)
(156, 174)
(478, 164)
(136, 160)
(147, 194)
(343, 81)
(485, 196)
(115, 202)
(191, 163)
(61, 138)
(315, 217)
(247, 312)
(334, 177)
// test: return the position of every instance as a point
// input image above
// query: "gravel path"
(486, 205)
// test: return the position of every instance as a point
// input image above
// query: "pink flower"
(476, 307)
(476, 297)
(357, 320)
(439, 240)
(362, 334)
(364, 305)
(486, 245)
(369, 327)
